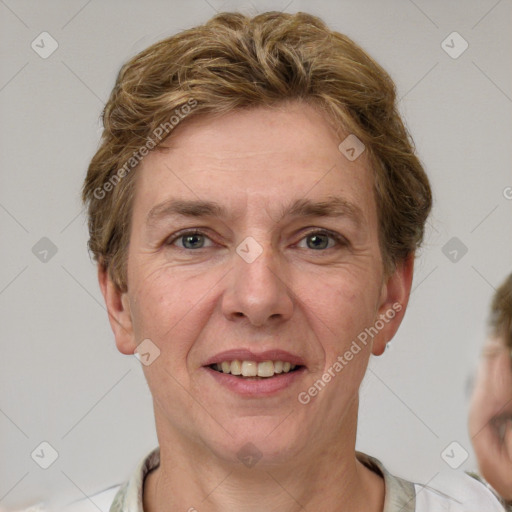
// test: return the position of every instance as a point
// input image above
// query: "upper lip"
(259, 357)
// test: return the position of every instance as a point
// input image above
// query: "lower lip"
(256, 388)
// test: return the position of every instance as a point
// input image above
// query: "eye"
(319, 240)
(189, 240)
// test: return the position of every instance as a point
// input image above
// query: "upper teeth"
(254, 369)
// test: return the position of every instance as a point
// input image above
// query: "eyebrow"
(331, 207)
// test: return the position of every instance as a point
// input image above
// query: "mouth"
(251, 374)
(253, 370)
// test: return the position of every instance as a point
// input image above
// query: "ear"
(393, 303)
(118, 309)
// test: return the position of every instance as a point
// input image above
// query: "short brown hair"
(234, 62)
(500, 319)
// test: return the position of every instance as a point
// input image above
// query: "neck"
(326, 476)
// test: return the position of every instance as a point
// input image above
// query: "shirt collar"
(399, 493)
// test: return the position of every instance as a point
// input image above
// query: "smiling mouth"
(253, 370)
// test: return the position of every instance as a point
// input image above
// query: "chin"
(263, 440)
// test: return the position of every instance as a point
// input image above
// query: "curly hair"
(235, 62)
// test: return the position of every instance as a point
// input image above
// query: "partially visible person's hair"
(500, 319)
(237, 62)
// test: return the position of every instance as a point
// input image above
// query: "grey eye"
(318, 241)
(192, 241)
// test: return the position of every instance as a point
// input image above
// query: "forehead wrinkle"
(186, 208)
(332, 206)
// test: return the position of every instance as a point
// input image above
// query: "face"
(490, 416)
(254, 246)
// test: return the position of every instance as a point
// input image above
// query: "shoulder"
(120, 497)
(114, 498)
(100, 501)
(449, 490)
(459, 491)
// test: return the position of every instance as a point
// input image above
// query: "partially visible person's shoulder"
(100, 501)
(448, 491)
(455, 491)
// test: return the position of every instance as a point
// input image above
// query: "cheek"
(341, 305)
(166, 309)
(502, 374)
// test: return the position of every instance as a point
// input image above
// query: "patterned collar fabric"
(450, 490)
(400, 494)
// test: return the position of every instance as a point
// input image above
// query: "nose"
(258, 291)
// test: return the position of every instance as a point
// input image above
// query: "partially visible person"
(490, 417)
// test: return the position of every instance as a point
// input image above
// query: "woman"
(254, 209)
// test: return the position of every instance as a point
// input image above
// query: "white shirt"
(449, 491)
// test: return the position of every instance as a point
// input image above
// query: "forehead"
(260, 155)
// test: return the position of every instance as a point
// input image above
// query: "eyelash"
(341, 240)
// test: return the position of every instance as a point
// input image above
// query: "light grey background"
(62, 379)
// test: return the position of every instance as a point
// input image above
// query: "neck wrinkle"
(328, 477)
